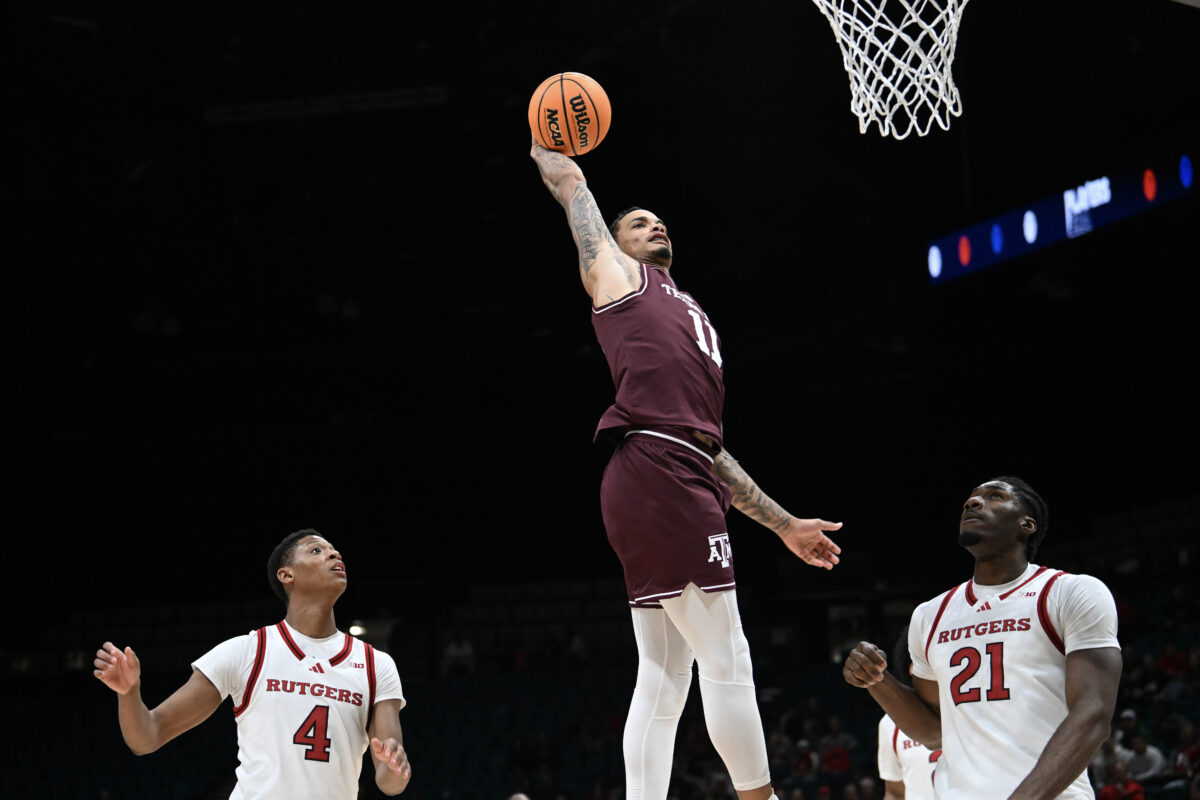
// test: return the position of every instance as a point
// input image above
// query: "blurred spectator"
(836, 767)
(1178, 687)
(1173, 661)
(780, 751)
(1109, 754)
(850, 792)
(837, 737)
(805, 767)
(458, 656)
(1185, 757)
(867, 789)
(1128, 727)
(1121, 787)
(1147, 764)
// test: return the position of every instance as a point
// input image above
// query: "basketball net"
(898, 61)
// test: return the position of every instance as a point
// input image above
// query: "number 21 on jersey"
(971, 659)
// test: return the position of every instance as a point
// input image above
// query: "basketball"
(569, 112)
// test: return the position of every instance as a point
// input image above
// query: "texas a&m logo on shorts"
(718, 549)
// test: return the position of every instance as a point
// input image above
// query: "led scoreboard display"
(1078, 210)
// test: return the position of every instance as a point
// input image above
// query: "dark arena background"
(269, 268)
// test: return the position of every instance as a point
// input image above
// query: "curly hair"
(1034, 506)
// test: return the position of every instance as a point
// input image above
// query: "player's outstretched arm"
(804, 537)
(914, 710)
(392, 770)
(606, 272)
(144, 730)
(1092, 680)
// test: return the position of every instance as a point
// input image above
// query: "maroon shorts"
(664, 511)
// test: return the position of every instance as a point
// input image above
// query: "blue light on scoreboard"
(1077, 211)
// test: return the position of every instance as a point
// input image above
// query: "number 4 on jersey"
(311, 734)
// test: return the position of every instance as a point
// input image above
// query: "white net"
(898, 54)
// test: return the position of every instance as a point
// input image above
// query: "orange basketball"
(569, 112)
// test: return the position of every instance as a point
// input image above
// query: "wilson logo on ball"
(582, 120)
(570, 113)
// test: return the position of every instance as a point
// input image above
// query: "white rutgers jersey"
(904, 760)
(302, 708)
(998, 654)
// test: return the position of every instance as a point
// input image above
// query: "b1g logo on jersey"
(718, 549)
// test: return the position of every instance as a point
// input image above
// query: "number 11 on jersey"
(712, 352)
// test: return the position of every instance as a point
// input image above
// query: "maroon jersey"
(665, 359)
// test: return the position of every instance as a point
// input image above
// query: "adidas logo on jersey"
(316, 668)
(987, 606)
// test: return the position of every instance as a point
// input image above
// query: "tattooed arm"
(804, 537)
(606, 272)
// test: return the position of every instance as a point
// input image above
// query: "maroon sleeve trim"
(1044, 615)
(370, 652)
(937, 619)
(969, 593)
(895, 739)
(259, 655)
(1040, 570)
(289, 641)
(344, 652)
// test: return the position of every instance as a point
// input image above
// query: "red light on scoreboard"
(1149, 185)
(964, 251)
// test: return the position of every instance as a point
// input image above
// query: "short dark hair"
(612, 226)
(901, 658)
(1035, 507)
(282, 556)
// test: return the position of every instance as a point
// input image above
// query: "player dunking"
(666, 491)
(1015, 672)
(308, 700)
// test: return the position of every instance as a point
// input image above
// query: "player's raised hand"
(865, 665)
(806, 538)
(117, 669)
(391, 752)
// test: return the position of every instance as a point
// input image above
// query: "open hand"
(806, 538)
(391, 752)
(117, 669)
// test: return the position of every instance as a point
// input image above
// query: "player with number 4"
(666, 490)
(308, 700)
(1015, 672)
